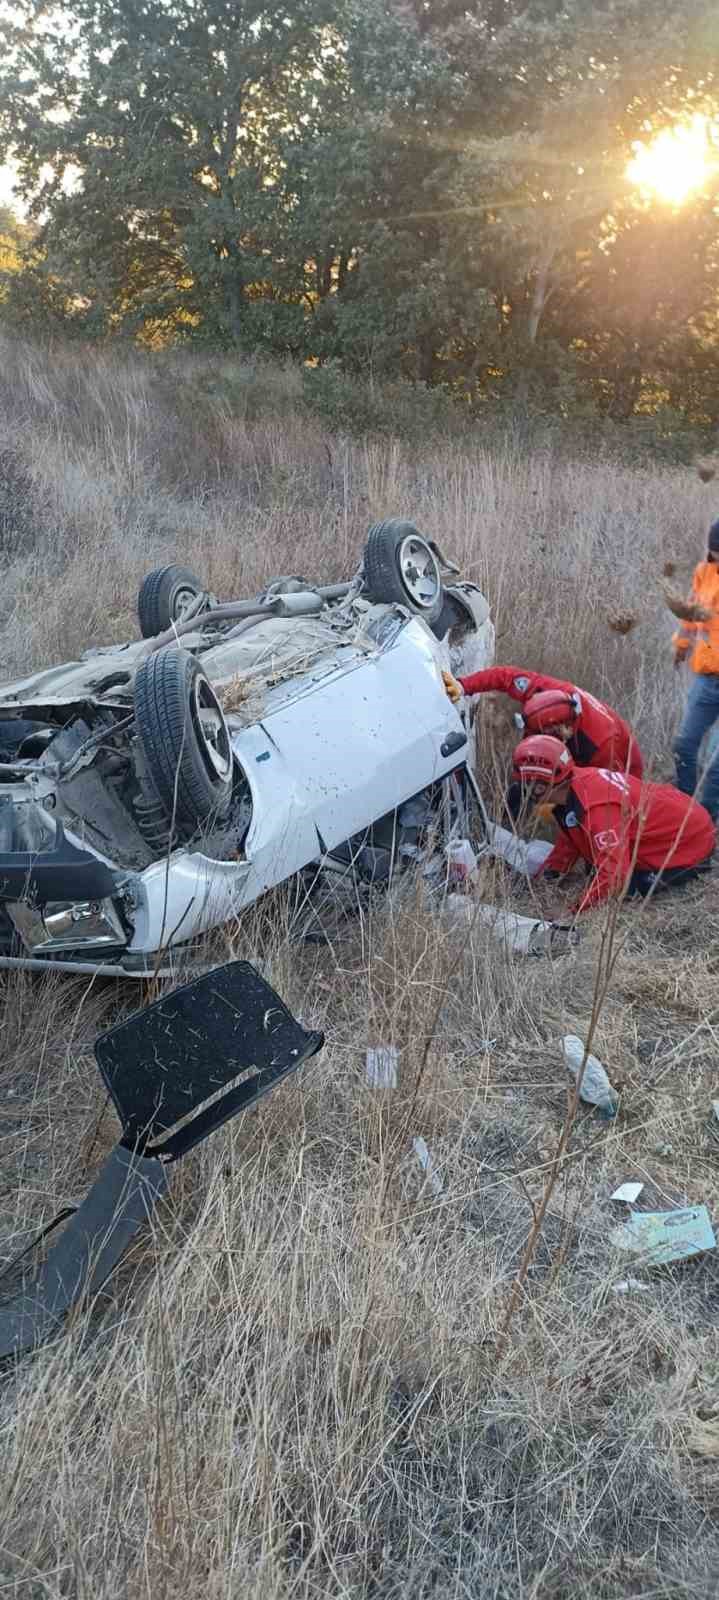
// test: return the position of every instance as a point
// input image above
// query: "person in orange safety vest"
(698, 642)
(638, 837)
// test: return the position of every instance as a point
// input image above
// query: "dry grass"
(292, 1388)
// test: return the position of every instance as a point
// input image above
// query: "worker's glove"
(680, 657)
(452, 687)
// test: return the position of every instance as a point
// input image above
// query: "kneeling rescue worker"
(595, 735)
(637, 836)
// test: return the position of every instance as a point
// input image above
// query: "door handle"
(452, 743)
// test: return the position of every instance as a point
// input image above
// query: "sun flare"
(676, 162)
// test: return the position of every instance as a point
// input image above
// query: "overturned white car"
(151, 791)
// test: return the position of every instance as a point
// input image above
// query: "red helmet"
(541, 759)
(548, 709)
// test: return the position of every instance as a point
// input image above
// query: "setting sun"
(675, 163)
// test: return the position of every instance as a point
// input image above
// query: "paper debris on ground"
(425, 1160)
(629, 1286)
(628, 1192)
(715, 1108)
(382, 1065)
(663, 1236)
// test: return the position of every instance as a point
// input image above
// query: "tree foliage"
(424, 188)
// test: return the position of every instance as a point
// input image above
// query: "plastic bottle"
(462, 861)
(596, 1090)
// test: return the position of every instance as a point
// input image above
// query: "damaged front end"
(62, 895)
(84, 835)
(57, 896)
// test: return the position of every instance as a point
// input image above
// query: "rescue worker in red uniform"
(595, 735)
(636, 836)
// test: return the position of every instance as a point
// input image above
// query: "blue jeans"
(700, 714)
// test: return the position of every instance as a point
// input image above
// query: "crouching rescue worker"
(636, 836)
(699, 641)
(595, 735)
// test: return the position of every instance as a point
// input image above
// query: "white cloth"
(522, 855)
(519, 934)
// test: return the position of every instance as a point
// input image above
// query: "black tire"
(388, 544)
(163, 597)
(188, 754)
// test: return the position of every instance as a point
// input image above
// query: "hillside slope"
(298, 1386)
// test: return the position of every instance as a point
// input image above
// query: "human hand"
(453, 689)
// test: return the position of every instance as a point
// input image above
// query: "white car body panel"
(315, 781)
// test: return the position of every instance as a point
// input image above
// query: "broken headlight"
(67, 925)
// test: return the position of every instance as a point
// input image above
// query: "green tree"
(427, 188)
(534, 162)
(147, 134)
(10, 242)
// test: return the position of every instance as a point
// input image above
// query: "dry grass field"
(317, 1377)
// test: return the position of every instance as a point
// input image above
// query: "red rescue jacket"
(620, 825)
(601, 737)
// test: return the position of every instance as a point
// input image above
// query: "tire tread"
(151, 611)
(164, 725)
(382, 580)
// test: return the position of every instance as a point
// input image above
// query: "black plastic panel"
(121, 1199)
(226, 1035)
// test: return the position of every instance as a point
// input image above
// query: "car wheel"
(185, 740)
(400, 568)
(165, 597)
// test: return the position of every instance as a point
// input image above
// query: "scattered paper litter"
(628, 1192)
(663, 1236)
(629, 1285)
(382, 1064)
(425, 1160)
(715, 1108)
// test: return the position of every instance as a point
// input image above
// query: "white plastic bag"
(523, 855)
(595, 1090)
(524, 936)
(425, 1160)
(461, 861)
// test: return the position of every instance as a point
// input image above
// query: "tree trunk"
(539, 293)
(425, 359)
(626, 388)
(234, 298)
